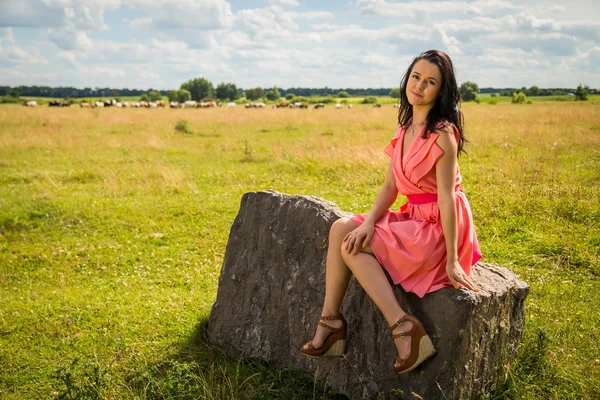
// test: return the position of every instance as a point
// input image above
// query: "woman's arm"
(445, 171)
(387, 195)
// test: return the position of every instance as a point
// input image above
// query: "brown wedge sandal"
(335, 342)
(421, 347)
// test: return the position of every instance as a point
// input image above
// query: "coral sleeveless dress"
(409, 243)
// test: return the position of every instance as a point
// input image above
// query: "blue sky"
(294, 43)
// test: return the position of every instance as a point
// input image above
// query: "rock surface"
(271, 290)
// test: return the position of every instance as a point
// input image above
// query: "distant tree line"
(62, 92)
(535, 91)
(201, 89)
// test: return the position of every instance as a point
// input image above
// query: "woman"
(430, 243)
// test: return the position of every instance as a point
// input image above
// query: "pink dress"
(409, 243)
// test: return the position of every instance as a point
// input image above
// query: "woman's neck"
(420, 114)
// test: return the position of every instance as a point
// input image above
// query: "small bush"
(529, 101)
(182, 126)
(290, 96)
(369, 100)
(518, 98)
(493, 101)
(477, 100)
(10, 100)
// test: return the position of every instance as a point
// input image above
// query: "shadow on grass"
(200, 371)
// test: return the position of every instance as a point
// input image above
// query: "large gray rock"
(271, 290)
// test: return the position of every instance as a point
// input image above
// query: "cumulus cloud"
(186, 14)
(30, 13)
(284, 3)
(413, 9)
(68, 38)
(111, 72)
(6, 35)
(265, 22)
(17, 57)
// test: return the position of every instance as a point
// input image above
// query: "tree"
(519, 98)
(273, 94)
(180, 96)
(395, 93)
(581, 92)
(154, 95)
(172, 95)
(468, 91)
(14, 94)
(533, 91)
(227, 91)
(290, 96)
(183, 95)
(255, 94)
(369, 100)
(199, 88)
(343, 94)
(144, 97)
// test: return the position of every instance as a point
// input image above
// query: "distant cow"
(338, 106)
(84, 104)
(31, 103)
(189, 104)
(230, 105)
(349, 105)
(173, 104)
(319, 105)
(160, 103)
(55, 103)
(377, 105)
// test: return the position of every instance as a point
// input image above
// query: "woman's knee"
(341, 228)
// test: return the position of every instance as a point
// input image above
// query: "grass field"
(113, 228)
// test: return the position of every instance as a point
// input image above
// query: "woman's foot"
(329, 338)
(403, 343)
(412, 343)
(321, 334)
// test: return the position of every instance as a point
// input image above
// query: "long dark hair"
(446, 107)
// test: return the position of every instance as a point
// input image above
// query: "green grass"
(113, 231)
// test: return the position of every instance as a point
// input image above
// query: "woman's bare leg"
(370, 275)
(337, 276)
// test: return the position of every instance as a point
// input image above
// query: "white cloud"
(69, 38)
(6, 35)
(149, 75)
(311, 15)
(17, 57)
(142, 24)
(284, 3)
(188, 14)
(111, 72)
(29, 13)
(413, 9)
(268, 22)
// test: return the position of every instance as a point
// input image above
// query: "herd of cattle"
(174, 104)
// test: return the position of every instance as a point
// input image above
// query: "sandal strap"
(330, 328)
(331, 317)
(402, 334)
(400, 322)
(338, 317)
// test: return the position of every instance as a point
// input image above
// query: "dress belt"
(425, 198)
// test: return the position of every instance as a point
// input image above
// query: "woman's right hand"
(359, 237)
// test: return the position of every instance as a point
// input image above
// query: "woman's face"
(424, 84)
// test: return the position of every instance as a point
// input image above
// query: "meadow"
(113, 226)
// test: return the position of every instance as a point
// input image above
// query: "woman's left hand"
(458, 276)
